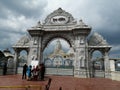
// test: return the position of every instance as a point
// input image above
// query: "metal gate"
(60, 71)
(98, 69)
(59, 65)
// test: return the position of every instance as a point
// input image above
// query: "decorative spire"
(39, 25)
(81, 23)
(60, 10)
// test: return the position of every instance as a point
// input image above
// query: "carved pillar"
(77, 58)
(87, 60)
(16, 60)
(112, 65)
(90, 63)
(80, 57)
(28, 51)
(39, 56)
(107, 65)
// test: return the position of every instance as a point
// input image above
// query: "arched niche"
(96, 54)
(58, 53)
(97, 60)
(22, 59)
(64, 43)
(50, 37)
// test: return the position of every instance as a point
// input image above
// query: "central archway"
(59, 61)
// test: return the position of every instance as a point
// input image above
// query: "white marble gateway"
(61, 24)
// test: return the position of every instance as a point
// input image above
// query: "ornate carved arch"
(48, 37)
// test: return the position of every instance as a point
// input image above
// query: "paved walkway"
(66, 82)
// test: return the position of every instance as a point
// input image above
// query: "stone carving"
(48, 37)
(59, 20)
(39, 25)
(59, 16)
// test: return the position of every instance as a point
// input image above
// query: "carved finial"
(81, 23)
(39, 23)
(60, 10)
(81, 20)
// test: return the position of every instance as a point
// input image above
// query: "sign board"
(118, 64)
(34, 63)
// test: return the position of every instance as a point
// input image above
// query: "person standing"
(35, 72)
(29, 72)
(5, 68)
(24, 71)
(42, 71)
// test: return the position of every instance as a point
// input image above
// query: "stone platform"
(66, 82)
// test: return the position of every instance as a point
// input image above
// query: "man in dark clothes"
(24, 71)
(5, 68)
(42, 71)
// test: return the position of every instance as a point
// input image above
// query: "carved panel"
(59, 16)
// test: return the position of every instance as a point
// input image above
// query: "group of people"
(33, 73)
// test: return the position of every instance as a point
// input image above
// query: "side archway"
(57, 58)
(97, 64)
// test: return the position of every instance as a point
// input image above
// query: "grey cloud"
(8, 38)
(109, 24)
(15, 16)
(102, 15)
(112, 37)
(9, 31)
(26, 7)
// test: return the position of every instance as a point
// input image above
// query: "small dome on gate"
(97, 40)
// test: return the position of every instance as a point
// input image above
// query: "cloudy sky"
(16, 16)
